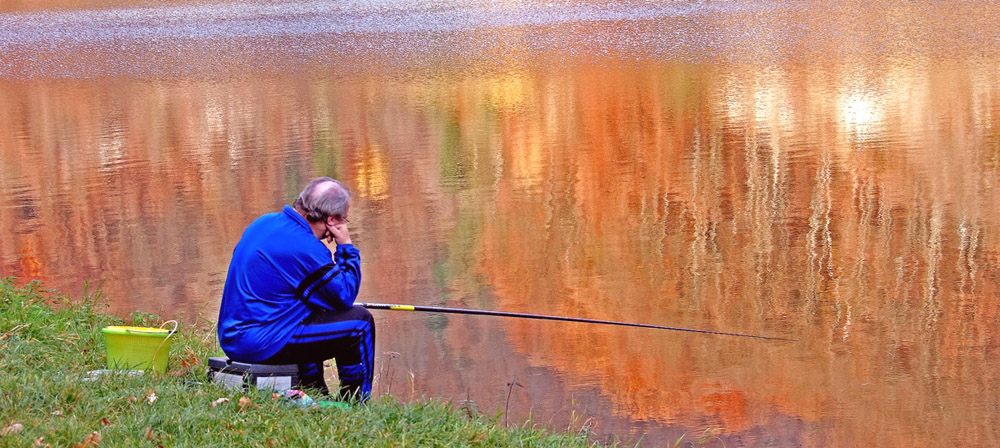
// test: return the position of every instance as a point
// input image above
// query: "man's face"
(333, 221)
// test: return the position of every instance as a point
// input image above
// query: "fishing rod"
(440, 309)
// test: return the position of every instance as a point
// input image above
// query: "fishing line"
(439, 309)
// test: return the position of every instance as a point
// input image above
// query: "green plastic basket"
(138, 348)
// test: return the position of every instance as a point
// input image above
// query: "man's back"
(259, 305)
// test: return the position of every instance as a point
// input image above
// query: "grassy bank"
(48, 343)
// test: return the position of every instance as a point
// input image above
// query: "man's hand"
(339, 233)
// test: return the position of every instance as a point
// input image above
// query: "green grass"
(48, 343)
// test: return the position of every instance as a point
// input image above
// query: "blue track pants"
(346, 336)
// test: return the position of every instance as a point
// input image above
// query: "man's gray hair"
(323, 197)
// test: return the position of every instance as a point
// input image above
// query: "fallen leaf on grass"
(245, 403)
(11, 332)
(92, 439)
(149, 433)
(40, 443)
(105, 421)
(190, 359)
(11, 429)
(132, 400)
(151, 396)
(220, 401)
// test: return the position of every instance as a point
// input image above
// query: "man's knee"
(359, 312)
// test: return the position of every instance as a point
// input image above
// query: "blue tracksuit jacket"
(279, 273)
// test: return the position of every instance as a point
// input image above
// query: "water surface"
(825, 171)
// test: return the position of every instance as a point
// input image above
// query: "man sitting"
(287, 301)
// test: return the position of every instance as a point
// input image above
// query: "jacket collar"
(291, 213)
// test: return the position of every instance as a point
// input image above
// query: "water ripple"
(221, 21)
(380, 36)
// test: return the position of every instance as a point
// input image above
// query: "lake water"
(824, 171)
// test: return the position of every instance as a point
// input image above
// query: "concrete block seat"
(246, 376)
